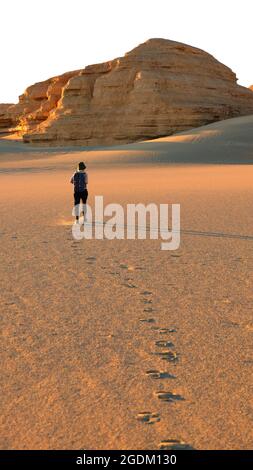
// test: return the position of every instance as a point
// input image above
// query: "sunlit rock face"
(159, 88)
(5, 120)
(34, 105)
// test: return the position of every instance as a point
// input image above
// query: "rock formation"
(159, 88)
(34, 105)
(5, 121)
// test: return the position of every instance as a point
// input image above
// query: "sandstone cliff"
(159, 88)
(5, 121)
(34, 104)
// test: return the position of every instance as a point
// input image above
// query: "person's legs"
(77, 198)
(84, 197)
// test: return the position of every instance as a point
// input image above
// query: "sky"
(43, 38)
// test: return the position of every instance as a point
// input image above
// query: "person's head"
(81, 166)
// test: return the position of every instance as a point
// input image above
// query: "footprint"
(164, 344)
(169, 396)
(169, 356)
(164, 331)
(147, 320)
(147, 301)
(156, 374)
(174, 444)
(148, 418)
(125, 266)
(146, 292)
(91, 258)
(131, 286)
(148, 309)
(229, 324)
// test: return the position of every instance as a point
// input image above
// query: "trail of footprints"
(165, 351)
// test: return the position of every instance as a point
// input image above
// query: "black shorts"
(81, 196)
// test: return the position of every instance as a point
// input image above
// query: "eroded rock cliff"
(5, 121)
(34, 104)
(159, 88)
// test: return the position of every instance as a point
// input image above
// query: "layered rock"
(5, 121)
(159, 88)
(34, 104)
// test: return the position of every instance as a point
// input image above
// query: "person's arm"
(86, 178)
(72, 179)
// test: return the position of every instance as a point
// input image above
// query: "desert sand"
(117, 344)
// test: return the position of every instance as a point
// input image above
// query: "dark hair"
(81, 166)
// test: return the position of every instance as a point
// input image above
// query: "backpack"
(79, 181)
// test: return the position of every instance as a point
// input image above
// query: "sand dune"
(229, 141)
(117, 344)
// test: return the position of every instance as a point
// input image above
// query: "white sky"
(43, 38)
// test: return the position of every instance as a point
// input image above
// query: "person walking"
(80, 182)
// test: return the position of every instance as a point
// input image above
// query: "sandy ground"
(95, 333)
